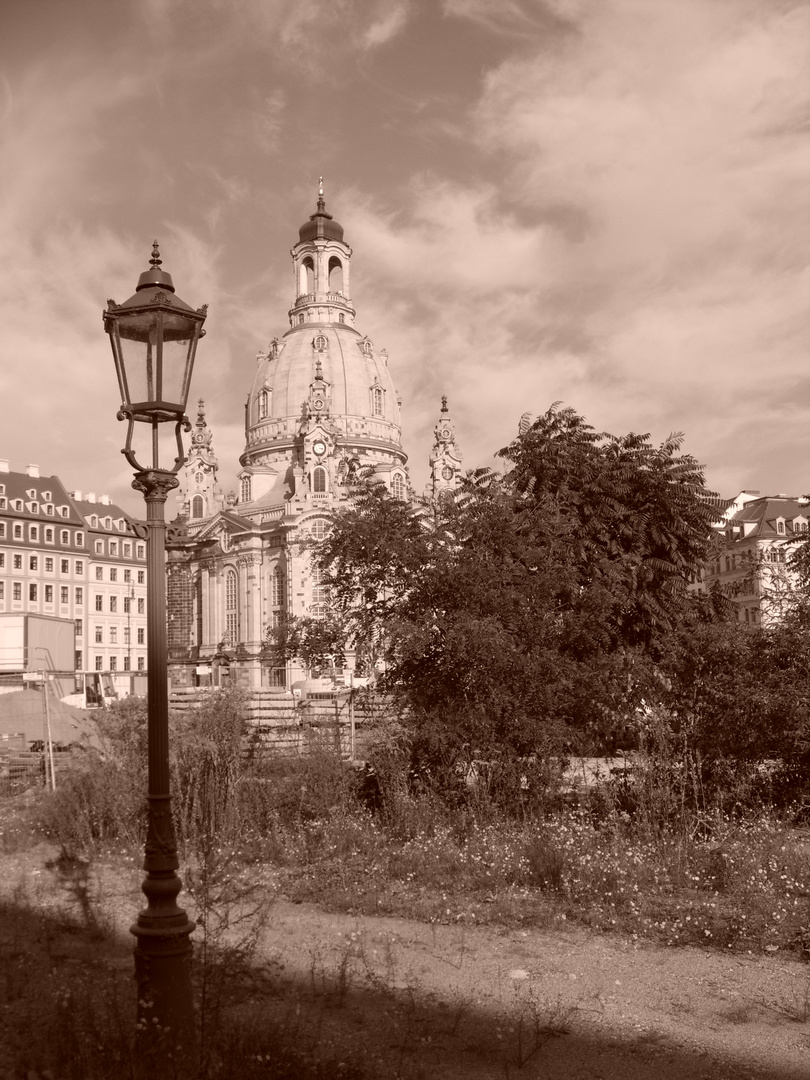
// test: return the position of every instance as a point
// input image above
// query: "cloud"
(387, 25)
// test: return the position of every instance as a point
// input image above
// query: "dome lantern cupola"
(321, 261)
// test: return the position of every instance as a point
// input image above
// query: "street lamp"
(154, 337)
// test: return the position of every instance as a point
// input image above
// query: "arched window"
(335, 275)
(300, 319)
(398, 486)
(320, 595)
(319, 479)
(376, 401)
(264, 404)
(246, 489)
(306, 276)
(341, 317)
(198, 507)
(320, 343)
(231, 612)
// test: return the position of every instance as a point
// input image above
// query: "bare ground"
(413, 1000)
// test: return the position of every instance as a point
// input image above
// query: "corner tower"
(323, 404)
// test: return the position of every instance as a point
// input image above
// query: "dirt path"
(430, 1002)
(459, 1002)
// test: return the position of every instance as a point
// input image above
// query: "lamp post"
(154, 337)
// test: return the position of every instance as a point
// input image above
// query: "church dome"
(360, 397)
(321, 225)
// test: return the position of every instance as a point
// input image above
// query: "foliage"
(527, 614)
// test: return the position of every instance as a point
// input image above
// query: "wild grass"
(650, 858)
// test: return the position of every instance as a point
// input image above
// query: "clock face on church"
(319, 447)
(447, 473)
(318, 403)
(444, 433)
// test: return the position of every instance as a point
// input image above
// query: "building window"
(2, 590)
(64, 537)
(141, 605)
(264, 402)
(77, 626)
(16, 591)
(319, 479)
(140, 551)
(231, 613)
(99, 573)
(79, 597)
(99, 663)
(99, 635)
(127, 605)
(141, 635)
(33, 532)
(126, 635)
(113, 603)
(127, 551)
(18, 532)
(32, 592)
(2, 559)
(79, 566)
(341, 317)
(78, 659)
(398, 486)
(140, 663)
(245, 489)
(64, 566)
(18, 562)
(49, 512)
(319, 528)
(99, 547)
(113, 635)
(113, 547)
(197, 507)
(141, 577)
(49, 566)
(49, 594)
(49, 536)
(2, 528)
(376, 401)
(127, 576)
(113, 574)
(99, 602)
(277, 588)
(33, 562)
(64, 595)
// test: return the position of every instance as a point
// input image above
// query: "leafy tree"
(529, 611)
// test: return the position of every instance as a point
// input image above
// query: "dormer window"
(246, 489)
(264, 405)
(398, 486)
(367, 351)
(377, 401)
(780, 526)
(320, 343)
(46, 496)
(93, 522)
(800, 525)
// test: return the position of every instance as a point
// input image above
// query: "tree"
(528, 612)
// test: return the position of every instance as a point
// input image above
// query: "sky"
(603, 203)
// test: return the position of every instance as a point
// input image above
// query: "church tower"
(199, 495)
(445, 457)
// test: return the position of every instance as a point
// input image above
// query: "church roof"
(320, 224)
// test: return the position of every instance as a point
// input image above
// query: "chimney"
(90, 497)
(77, 495)
(33, 470)
(3, 464)
(104, 500)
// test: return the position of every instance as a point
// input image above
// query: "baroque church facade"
(322, 410)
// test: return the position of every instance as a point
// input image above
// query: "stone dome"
(321, 225)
